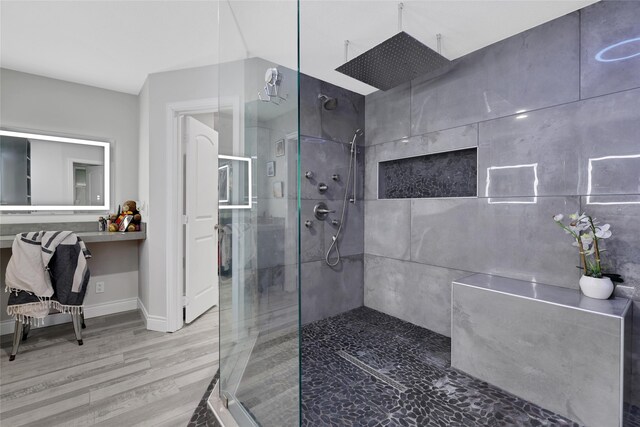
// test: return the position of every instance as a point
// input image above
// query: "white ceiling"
(116, 44)
(109, 44)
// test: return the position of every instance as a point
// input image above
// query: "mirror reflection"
(234, 176)
(41, 172)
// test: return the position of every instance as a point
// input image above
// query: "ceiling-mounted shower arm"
(400, 10)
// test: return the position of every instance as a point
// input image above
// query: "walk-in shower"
(353, 164)
(345, 304)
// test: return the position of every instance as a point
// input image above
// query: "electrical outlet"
(99, 287)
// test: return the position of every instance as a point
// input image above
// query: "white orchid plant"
(588, 234)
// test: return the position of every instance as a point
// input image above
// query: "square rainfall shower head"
(394, 61)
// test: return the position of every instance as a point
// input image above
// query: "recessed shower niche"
(448, 174)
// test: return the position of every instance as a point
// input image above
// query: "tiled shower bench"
(550, 345)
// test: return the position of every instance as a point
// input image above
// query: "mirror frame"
(249, 178)
(107, 174)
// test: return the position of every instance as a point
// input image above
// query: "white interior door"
(95, 185)
(201, 235)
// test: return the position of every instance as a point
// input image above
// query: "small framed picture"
(280, 148)
(277, 190)
(271, 168)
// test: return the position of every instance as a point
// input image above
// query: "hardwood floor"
(123, 375)
(260, 368)
(269, 388)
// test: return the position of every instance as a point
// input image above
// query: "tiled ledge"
(569, 298)
(549, 345)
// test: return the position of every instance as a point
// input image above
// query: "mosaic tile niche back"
(450, 174)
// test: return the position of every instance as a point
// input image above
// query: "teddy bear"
(129, 209)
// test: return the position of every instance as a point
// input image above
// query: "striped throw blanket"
(47, 269)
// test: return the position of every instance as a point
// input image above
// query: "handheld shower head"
(357, 133)
(328, 103)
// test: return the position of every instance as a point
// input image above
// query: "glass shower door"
(258, 173)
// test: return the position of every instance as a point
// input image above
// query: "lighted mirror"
(234, 182)
(49, 173)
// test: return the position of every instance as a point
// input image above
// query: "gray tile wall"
(327, 291)
(556, 131)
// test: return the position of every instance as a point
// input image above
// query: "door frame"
(174, 252)
(71, 172)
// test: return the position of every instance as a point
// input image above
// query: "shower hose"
(334, 239)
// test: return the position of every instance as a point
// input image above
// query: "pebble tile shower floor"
(365, 368)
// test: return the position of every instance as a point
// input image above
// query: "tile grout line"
(577, 100)
(580, 54)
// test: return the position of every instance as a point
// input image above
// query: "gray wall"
(242, 82)
(161, 89)
(45, 105)
(41, 104)
(576, 109)
(327, 291)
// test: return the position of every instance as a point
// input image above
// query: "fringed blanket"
(47, 269)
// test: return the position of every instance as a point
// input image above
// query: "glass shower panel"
(257, 122)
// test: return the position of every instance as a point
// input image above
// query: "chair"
(21, 332)
(59, 257)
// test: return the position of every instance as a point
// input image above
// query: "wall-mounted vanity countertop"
(86, 231)
(90, 237)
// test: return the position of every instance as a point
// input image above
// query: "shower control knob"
(322, 187)
(321, 211)
(308, 174)
(335, 177)
(335, 222)
(308, 224)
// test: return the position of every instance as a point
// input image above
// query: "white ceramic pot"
(593, 287)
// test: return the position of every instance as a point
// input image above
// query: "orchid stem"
(595, 247)
(583, 259)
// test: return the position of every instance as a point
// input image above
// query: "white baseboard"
(94, 310)
(112, 307)
(154, 323)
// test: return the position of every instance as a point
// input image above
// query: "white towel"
(27, 270)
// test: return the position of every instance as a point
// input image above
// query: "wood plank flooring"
(269, 387)
(123, 375)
